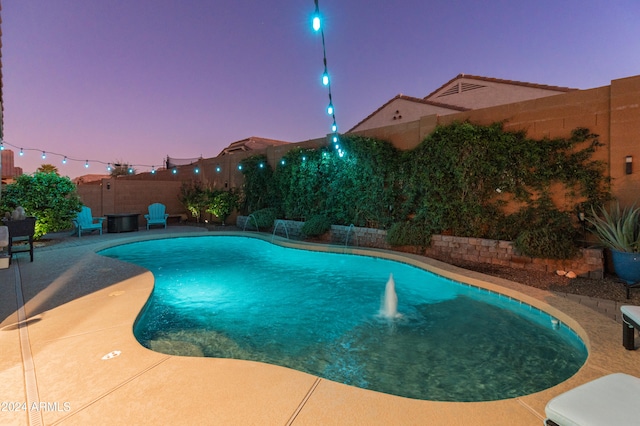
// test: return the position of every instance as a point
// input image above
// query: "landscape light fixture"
(628, 162)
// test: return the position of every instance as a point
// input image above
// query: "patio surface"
(70, 308)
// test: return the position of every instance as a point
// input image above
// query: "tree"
(52, 199)
(194, 198)
(48, 168)
(222, 203)
(122, 169)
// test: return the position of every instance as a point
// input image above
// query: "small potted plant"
(619, 231)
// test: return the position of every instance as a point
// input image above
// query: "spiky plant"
(617, 229)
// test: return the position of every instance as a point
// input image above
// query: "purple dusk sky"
(136, 80)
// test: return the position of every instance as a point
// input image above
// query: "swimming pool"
(318, 312)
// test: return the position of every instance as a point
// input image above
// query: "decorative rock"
(571, 275)
(561, 273)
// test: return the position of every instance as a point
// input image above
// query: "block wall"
(589, 263)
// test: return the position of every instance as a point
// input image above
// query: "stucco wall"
(111, 196)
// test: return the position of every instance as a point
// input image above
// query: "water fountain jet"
(389, 307)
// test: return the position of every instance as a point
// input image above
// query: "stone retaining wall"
(589, 263)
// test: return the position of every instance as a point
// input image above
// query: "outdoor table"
(122, 222)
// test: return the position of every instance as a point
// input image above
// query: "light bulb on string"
(325, 78)
(86, 164)
(44, 155)
(330, 109)
(334, 126)
(316, 23)
(21, 152)
(153, 170)
(1, 146)
(109, 167)
(64, 160)
(196, 170)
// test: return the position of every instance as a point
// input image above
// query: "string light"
(326, 80)
(65, 158)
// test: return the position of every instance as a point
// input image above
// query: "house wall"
(491, 93)
(400, 111)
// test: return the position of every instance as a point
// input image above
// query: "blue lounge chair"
(157, 215)
(85, 222)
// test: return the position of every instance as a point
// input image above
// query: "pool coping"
(80, 306)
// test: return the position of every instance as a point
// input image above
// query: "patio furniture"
(21, 231)
(609, 400)
(4, 242)
(156, 215)
(122, 222)
(630, 321)
(84, 221)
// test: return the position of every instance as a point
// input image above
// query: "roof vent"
(460, 87)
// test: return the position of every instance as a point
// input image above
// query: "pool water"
(317, 312)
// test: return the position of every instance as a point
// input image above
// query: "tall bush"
(194, 198)
(458, 180)
(52, 199)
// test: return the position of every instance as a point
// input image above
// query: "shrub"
(194, 198)
(316, 226)
(546, 243)
(264, 218)
(409, 233)
(222, 203)
(52, 199)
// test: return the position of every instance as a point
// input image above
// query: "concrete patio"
(69, 357)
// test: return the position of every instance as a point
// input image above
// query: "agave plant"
(617, 229)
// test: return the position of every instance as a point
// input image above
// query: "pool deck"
(68, 356)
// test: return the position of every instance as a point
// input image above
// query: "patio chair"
(84, 221)
(156, 215)
(21, 231)
(609, 400)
